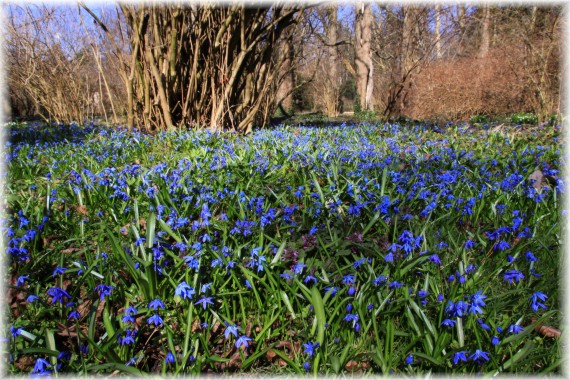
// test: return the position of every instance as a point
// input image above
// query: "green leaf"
(319, 309)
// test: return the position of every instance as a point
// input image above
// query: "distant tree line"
(234, 66)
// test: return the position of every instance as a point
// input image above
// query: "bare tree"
(328, 79)
(363, 55)
(287, 85)
(485, 33)
(438, 53)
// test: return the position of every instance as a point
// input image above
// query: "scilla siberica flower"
(310, 348)
(459, 356)
(513, 276)
(479, 356)
(103, 290)
(184, 291)
(242, 341)
(534, 298)
(58, 295)
(231, 329)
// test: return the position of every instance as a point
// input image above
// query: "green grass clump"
(524, 118)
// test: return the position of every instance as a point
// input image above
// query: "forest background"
(235, 67)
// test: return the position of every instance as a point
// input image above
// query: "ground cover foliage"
(361, 248)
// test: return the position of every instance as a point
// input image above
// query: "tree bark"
(485, 32)
(285, 93)
(363, 55)
(438, 54)
(333, 77)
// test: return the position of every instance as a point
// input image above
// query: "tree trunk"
(438, 31)
(485, 32)
(363, 55)
(333, 80)
(285, 93)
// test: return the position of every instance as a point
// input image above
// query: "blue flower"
(410, 359)
(332, 289)
(479, 356)
(515, 329)
(534, 298)
(132, 361)
(307, 366)
(169, 359)
(155, 320)
(530, 257)
(192, 262)
(156, 304)
(21, 280)
(513, 276)
(350, 318)
(448, 322)
(348, 279)
(128, 319)
(205, 287)
(128, 339)
(74, 315)
(395, 284)
(298, 268)
(205, 215)
(58, 295)
(242, 341)
(312, 278)
(184, 291)
(477, 300)
(435, 259)
(15, 331)
(380, 280)
(231, 329)
(104, 290)
(502, 245)
(204, 301)
(459, 356)
(41, 366)
(310, 348)
(32, 298)
(495, 341)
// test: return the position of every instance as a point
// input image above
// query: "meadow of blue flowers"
(366, 248)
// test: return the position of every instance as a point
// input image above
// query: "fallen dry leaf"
(547, 331)
(537, 177)
(24, 363)
(351, 365)
(125, 229)
(81, 209)
(271, 355)
(70, 250)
